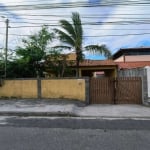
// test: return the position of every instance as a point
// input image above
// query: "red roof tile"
(130, 65)
(121, 65)
(98, 63)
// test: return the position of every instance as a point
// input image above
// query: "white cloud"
(112, 14)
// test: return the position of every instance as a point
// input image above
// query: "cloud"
(109, 21)
(132, 15)
(7, 13)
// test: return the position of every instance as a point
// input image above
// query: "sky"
(117, 24)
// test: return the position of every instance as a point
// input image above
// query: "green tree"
(72, 35)
(57, 63)
(1, 63)
(33, 51)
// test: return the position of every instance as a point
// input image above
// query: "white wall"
(137, 58)
(148, 80)
(133, 58)
(120, 59)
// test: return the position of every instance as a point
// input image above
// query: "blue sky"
(117, 24)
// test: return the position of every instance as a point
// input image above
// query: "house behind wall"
(141, 54)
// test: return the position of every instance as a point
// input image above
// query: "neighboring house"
(94, 68)
(97, 68)
(125, 58)
(128, 58)
(135, 62)
(91, 68)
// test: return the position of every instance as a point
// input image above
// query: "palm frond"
(64, 37)
(68, 28)
(102, 49)
(59, 47)
(77, 28)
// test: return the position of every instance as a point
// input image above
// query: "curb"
(69, 114)
(46, 114)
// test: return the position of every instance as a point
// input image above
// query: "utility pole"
(6, 47)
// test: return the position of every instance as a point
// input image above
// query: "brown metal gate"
(123, 90)
(128, 90)
(101, 90)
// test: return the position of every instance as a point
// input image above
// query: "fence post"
(147, 86)
(87, 90)
(115, 90)
(39, 87)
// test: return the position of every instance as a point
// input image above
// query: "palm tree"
(72, 35)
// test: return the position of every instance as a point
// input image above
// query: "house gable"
(128, 58)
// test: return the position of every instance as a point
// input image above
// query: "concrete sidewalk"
(71, 108)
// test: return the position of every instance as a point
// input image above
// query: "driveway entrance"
(121, 90)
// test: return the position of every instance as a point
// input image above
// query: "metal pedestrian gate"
(121, 90)
(101, 90)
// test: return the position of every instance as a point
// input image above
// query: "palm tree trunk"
(78, 59)
(77, 68)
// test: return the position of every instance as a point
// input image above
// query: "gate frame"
(115, 90)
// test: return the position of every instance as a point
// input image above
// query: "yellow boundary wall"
(19, 89)
(44, 88)
(63, 88)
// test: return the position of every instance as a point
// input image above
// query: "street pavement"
(12, 138)
(72, 109)
(64, 125)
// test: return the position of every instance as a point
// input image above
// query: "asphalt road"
(19, 133)
(75, 123)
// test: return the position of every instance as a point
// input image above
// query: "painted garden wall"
(44, 88)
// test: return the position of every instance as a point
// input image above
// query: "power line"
(120, 35)
(86, 24)
(96, 35)
(106, 2)
(32, 1)
(52, 19)
(91, 23)
(131, 18)
(83, 15)
(74, 5)
(122, 29)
